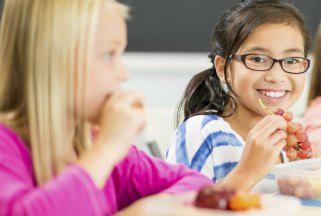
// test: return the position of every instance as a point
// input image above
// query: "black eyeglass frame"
(243, 57)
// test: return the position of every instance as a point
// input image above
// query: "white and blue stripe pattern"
(208, 144)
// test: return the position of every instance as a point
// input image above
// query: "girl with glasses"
(259, 50)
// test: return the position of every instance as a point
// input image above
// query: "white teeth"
(273, 94)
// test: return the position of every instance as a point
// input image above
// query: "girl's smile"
(273, 96)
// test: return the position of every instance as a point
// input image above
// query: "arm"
(239, 169)
(70, 193)
(147, 175)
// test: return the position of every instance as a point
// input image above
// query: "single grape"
(279, 111)
(305, 145)
(292, 127)
(291, 154)
(291, 140)
(303, 154)
(302, 136)
(288, 116)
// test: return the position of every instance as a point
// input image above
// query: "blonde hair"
(315, 88)
(45, 47)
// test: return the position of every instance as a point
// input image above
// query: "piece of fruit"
(210, 197)
(291, 154)
(288, 116)
(306, 145)
(243, 202)
(302, 136)
(303, 154)
(279, 111)
(291, 140)
(293, 127)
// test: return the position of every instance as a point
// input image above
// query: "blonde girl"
(61, 74)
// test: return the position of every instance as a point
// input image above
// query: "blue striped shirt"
(208, 144)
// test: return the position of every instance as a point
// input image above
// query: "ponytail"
(203, 95)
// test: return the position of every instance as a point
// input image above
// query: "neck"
(71, 155)
(243, 120)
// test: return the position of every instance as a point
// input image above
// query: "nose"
(276, 74)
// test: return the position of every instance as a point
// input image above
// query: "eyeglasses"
(261, 62)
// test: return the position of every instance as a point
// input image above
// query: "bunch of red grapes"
(297, 143)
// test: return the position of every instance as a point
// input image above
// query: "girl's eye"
(291, 61)
(258, 59)
(108, 56)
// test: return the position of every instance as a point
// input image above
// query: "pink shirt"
(74, 193)
(312, 125)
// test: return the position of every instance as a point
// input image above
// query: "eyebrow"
(261, 49)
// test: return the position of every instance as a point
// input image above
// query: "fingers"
(272, 123)
(278, 136)
(280, 145)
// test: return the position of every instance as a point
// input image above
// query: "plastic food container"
(299, 178)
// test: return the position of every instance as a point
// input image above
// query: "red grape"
(293, 127)
(291, 154)
(302, 136)
(288, 116)
(305, 145)
(291, 140)
(303, 154)
(279, 111)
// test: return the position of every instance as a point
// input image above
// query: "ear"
(219, 63)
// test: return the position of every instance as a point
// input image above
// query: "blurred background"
(168, 43)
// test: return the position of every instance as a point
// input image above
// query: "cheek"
(97, 88)
(298, 83)
(241, 80)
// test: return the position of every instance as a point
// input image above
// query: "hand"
(165, 205)
(262, 150)
(264, 145)
(122, 118)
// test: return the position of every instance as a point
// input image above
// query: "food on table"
(300, 187)
(226, 199)
(244, 201)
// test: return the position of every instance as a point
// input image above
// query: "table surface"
(308, 211)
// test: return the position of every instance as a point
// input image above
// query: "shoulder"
(315, 104)
(198, 122)
(313, 115)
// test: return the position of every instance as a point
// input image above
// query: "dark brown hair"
(315, 88)
(204, 94)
